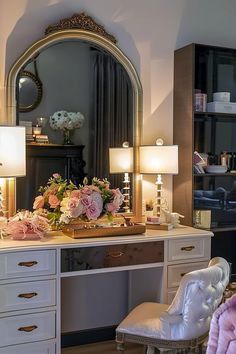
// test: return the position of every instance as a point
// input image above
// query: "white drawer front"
(47, 347)
(191, 248)
(176, 272)
(27, 328)
(28, 263)
(26, 295)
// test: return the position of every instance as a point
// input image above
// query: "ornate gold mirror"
(78, 52)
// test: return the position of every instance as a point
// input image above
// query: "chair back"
(222, 336)
(199, 294)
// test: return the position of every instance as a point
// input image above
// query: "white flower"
(66, 120)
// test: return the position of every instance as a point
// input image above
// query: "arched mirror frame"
(107, 44)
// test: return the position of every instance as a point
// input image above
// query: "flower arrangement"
(26, 225)
(62, 201)
(66, 120)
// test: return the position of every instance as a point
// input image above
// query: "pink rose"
(38, 202)
(75, 207)
(86, 190)
(94, 188)
(86, 200)
(73, 203)
(118, 197)
(93, 212)
(53, 201)
(76, 212)
(75, 194)
(111, 207)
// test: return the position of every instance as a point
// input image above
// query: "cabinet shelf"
(215, 114)
(228, 174)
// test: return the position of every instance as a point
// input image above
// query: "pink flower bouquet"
(63, 201)
(26, 225)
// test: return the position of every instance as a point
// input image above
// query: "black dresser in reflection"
(41, 162)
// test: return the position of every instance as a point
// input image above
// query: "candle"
(37, 130)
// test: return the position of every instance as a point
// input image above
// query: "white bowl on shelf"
(216, 169)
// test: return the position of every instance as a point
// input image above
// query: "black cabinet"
(202, 69)
(41, 162)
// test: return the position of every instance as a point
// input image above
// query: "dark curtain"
(112, 112)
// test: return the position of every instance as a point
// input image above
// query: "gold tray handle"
(27, 328)
(187, 248)
(27, 264)
(117, 254)
(27, 295)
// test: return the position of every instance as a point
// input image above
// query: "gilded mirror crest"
(80, 21)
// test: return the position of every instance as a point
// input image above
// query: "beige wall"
(147, 31)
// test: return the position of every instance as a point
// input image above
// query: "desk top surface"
(59, 240)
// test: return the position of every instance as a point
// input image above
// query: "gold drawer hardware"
(187, 248)
(182, 274)
(27, 264)
(28, 328)
(115, 254)
(27, 295)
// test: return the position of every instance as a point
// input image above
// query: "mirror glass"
(77, 76)
(29, 91)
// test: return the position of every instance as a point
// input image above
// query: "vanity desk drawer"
(176, 272)
(27, 295)
(27, 328)
(191, 248)
(27, 263)
(77, 259)
(42, 347)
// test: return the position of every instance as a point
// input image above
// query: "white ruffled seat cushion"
(144, 320)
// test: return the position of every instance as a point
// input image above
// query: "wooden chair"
(185, 323)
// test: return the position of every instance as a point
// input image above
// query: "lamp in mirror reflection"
(159, 159)
(12, 156)
(121, 160)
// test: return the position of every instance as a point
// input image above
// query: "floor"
(110, 348)
(102, 348)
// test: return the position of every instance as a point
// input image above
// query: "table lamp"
(159, 159)
(121, 161)
(12, 154)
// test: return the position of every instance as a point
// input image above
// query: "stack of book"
(41, 139)
(28, 130)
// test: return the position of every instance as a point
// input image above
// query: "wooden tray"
(78, 231)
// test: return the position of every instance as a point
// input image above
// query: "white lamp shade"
(121, 160)
(159, 159)
(12, 151)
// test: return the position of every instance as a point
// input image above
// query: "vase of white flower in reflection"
(67, 122)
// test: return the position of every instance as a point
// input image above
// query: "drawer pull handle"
(115, 254)
(27, 264)
(182, 274)
(187, 248)
(27, 295)
(28, 328)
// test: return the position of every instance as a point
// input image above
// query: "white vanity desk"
(32, 278)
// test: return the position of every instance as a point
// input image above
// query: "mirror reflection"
(83, 79)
